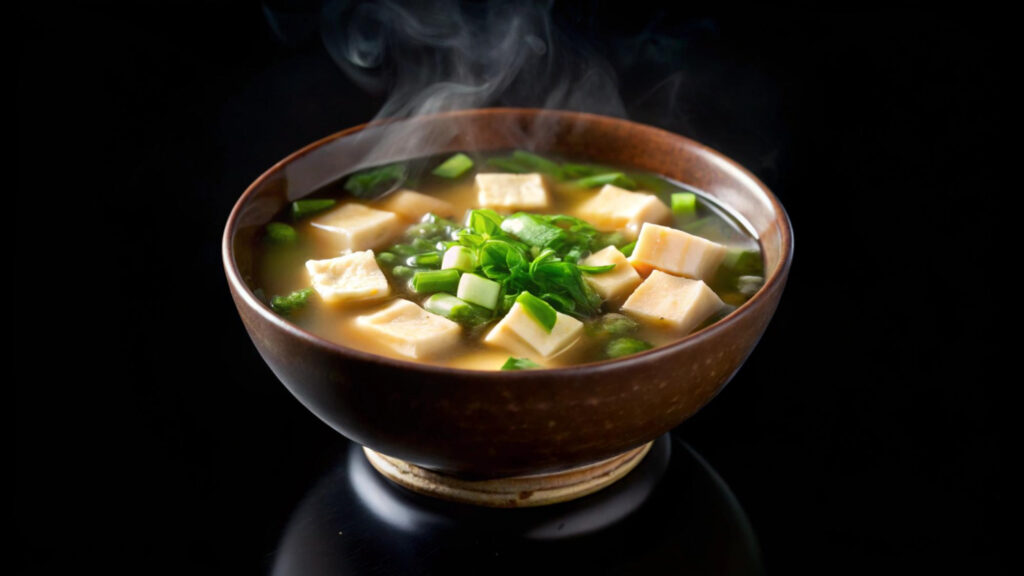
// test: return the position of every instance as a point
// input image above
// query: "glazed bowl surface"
(496, 424)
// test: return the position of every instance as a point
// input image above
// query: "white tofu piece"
(676, 252)
(410, 330)
(357, 227)
(521, 334)
(511, 191)
(616, 284)
(413, 206)
(667, 301)
(616, 209)
(348, 278)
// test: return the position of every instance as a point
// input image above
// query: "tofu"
(511, 191)
(615, 285)
(357, 227)
(616, 209)
(413, 206)
(410, 330)
(671, 302)
(348, 278)
(521, 334)
(676, 252)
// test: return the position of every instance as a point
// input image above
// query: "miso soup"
(505, 261)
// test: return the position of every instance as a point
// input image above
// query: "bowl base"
(512, 492)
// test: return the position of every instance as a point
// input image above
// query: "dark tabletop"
(864, 434)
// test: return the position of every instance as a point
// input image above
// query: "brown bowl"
(497, 424)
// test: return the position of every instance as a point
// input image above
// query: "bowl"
(484, 425)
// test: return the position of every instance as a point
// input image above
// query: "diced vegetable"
(612, 325)
(297, 300)
(625, 346)
(459, 258)
(617, 178)
(478, 290)
(540, 310)
(514, 363)
(280, 233)
(684, 203)
(375, 181)
(425, 260)
(454, 166)
(303, 208)
(457, 309)
(435, 281)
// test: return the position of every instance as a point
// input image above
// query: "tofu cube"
(511, 191)
(357, 227)
(521, 334)
(412, 206)
(676, 252)
(616, 209)
(347, 278)
(410, 330)
(671, 302)
(617, 284)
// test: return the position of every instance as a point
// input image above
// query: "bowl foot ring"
(512, 492)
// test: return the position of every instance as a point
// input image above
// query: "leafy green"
(454, 166)
(375, 181)
(285, 305)
(514, 363)
(540, 310)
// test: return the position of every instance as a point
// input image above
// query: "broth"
(280, 266)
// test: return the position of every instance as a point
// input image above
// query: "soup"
(505, 261)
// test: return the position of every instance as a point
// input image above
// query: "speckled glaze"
(494, 424)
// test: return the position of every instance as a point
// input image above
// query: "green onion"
(625, 346)
(303, 208)
(684, 203)
(425, 260)
(535, 162)
(435, 281)
(285, 305)
(509, 165)
(280, 233)
(457, 309)
(459, 258)
(375, 181)
(478, 290)
(749, 285)
(403, 272)
(743, 261)
(454, 167)
(627, 250)
(534, 231)
(519, 364)
(386, 258)
(612, 324)
(540, 310)
(617, 178)
(572, 171)
(596, 269)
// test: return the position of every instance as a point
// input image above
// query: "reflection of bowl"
(494, 424)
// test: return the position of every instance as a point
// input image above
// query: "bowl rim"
(235, 281)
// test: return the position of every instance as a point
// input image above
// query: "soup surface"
(505, 261)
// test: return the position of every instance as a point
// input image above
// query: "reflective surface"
(672, 514)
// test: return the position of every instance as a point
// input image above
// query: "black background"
(862, 434)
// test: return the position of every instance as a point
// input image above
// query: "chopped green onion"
(285, 305)
(684, 203)
(617, 178)
(749, 285)
(534, 231)
(457, 309)
(625, 346)
(540, 310)
(743, 261)
(509, 165)
(280, 233)
(425, 260)
(459, 258)
(514, 363)
(386, 258)
(627, 250)
(535, 162)
(454, 167)
(571, 171)
(403, 272)
(376, 181)
(612, 324)
(435, 281)
(478, 290)
(596, 269)
(303, 208)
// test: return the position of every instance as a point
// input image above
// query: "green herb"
(430, 281)
(572, 171)
(519, 364)
(627, 250)
(478, 290)
(386, 258)
(280, 233)
(616, 178)
(540, 310)
(403, 272)
(684, 203)
(303, 208)
(459, 258)
(535, 162)
(376, 181)
(534, 230)
(625, 346)
(425, 260)
(596, 269)
(454, 167)
(457, 309)
(285, 305)
(743, 262)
